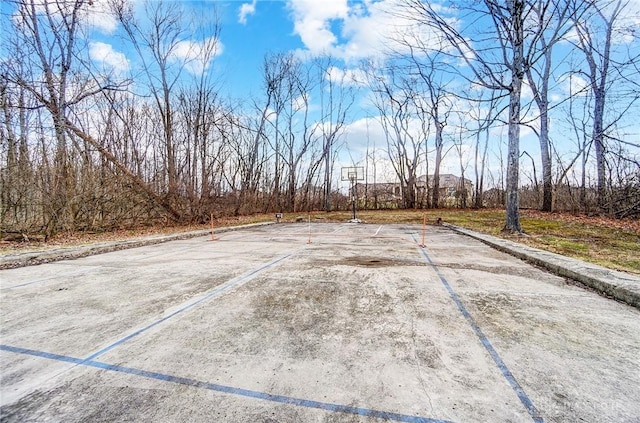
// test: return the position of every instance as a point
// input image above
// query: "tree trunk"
(598, 63)
(479, 188)
(327, 176)
(598, 139)
(435, 194)
(540, 95)
(545, 154)
(512, 221)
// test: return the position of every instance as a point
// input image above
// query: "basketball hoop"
(353, 174)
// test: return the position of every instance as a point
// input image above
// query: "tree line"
(86, 147)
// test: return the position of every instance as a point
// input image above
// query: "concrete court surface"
(360, 325)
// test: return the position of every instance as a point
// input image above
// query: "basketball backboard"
(352, 173)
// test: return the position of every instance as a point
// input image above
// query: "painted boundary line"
(39, 257)
(233, 283)
(326, 406)
(619, 285)
(524, 398)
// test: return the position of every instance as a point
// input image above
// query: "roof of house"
(446, 179)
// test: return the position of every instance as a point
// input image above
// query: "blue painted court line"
(216, 292)
(326, 406)
(524, 398)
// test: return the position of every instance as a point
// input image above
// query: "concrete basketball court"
(359, 325)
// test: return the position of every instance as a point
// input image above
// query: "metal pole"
(353, 196)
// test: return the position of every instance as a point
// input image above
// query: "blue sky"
(268, 29)
(348, 30)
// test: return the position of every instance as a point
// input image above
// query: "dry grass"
(614, 244)
(68, 239)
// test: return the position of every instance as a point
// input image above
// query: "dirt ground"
(320, 323)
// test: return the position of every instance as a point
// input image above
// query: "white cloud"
(312, 22)
(572, 85)
(347, 76)
(374, 30)
(97, 15)
(526, 93)
(197, 55)
(629, 21)
(246, 9)
(627, 32)
(301, 102)
(556, 98)
(352, 30)
(365, 134)
(110, 59)
(625, 26)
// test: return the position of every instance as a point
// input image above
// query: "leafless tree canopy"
(84, 148)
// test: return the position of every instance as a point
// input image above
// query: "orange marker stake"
(424, 229)
(213, 236)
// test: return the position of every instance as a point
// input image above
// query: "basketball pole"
(424, 229)
(353, 174)
(353, 195)
(309, 239)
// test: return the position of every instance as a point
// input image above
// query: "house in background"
(454, 192)
(453, 189)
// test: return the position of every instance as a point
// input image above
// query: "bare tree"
(462, 193)
(156, 47)
(249, 144)
(483, 116)
(336, 99)
(46, 39)
(277, 67)
(17, 174)
(53, 71)
(395, 97)
(434, 102)
(496, 59)
(295, 133)
(202, 115)
(577, 118)
(302, 133)
(555, 20)
(598, 55)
